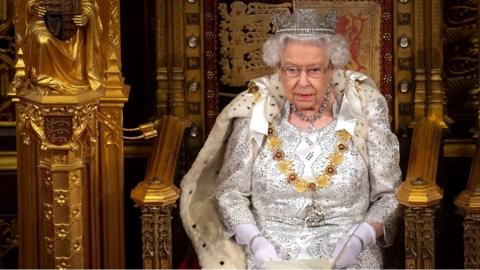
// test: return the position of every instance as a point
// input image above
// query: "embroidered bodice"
(251, 189)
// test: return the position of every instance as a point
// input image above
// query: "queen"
(63, 67)
(302, 165)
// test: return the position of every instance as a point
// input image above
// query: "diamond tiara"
(304, 22)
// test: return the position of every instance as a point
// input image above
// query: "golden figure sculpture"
(65, 67)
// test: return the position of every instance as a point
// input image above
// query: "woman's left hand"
(348, 248)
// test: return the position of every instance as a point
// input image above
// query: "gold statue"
(69, 66)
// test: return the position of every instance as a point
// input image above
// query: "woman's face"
(305, 74)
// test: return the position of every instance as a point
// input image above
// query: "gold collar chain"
(284, 166)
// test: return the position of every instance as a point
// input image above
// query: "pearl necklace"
(312, 118)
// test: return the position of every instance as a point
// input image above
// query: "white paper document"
(299, 264)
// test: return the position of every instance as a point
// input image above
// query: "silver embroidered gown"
(251, 190)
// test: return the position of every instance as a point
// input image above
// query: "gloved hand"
(263, 251)
(347, 249)
(261, 248)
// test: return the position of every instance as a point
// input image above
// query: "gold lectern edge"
(469, 201)
(425, 195)
(145, 194)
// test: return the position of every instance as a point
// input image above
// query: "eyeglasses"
(312, 71)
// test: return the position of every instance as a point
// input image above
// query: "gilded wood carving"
(419, 238)
(468, 203)
(461, 69)
(243, 30)
(55, 66)
(156, 237)
(471, 240)
(57, 125)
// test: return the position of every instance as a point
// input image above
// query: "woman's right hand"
(263, 251)
(80, 20)
(38, 10)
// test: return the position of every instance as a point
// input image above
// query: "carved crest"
(59, 17)
(58, 128)
(242, 32)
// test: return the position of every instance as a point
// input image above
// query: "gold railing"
(468, 203)
(156, 194)
(420, 195)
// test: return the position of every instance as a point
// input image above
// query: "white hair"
(337, 48)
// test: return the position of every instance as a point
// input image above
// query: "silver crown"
(304, 22)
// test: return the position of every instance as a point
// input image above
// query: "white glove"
(261, 248)
(360, 236)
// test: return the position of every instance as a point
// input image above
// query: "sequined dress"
(252, 190)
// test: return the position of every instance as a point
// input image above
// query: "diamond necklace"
(312, 118)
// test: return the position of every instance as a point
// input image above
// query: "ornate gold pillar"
(436, 97)
(420, 195)
(419, 238)
(110, 152)
(419, 33)
(171, 57)
(180, 70)
(70, 164)
(54, 146)
(429, 94)
(468, 203)
(471, 240)
(404, 68)
(156, 195)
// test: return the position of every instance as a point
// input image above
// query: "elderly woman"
(310, 165)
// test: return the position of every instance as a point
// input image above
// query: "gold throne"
(397, 43)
